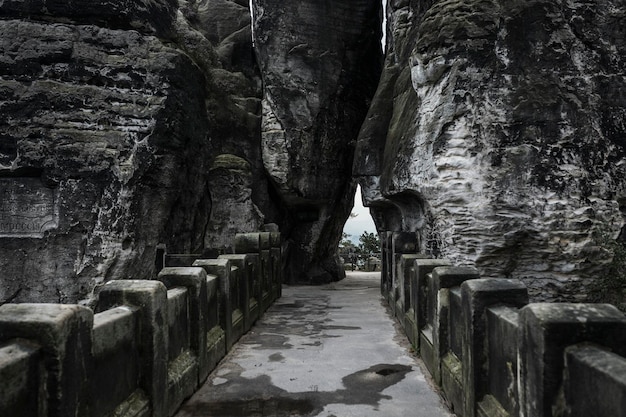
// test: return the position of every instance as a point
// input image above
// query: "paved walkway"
(330, 351)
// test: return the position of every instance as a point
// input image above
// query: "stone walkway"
(325, 351)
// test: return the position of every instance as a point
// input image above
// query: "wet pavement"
(328, 351)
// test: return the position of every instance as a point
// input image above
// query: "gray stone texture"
(195, 280)
(64, 334)
(21, 373)
(545, 331)
(605, 398)
(497, 136)
(440, 281)
(220, 268)
(476, 296)
(320, 63)
(150, 297)
(122, 109)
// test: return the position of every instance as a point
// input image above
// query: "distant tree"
(369, 244)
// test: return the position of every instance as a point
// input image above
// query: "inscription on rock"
(27, 208)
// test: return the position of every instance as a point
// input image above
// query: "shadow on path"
(328, 351)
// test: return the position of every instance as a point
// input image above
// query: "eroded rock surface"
(111, 120)
(505, 146)
(320, 63)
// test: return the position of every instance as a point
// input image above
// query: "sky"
(362, 222)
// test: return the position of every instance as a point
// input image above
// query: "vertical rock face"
(71, 124)
(505, 145)
(111, 119)
(320, 63)
(234, 211)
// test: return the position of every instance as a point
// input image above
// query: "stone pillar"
(150, 297)
(64, 334)
(440, 281)
(22, 382)
(546, 330)
(250, 243)
(595, 382)
(416, 318)
(243, 298)
(386, 267)
(216, 337)
(277, 267)
(195, 280)
(399, 243)
(405, 268)
(221, 269)
(476, 296)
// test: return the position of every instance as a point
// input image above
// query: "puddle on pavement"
(258, 397)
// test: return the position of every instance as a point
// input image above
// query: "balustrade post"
(195, 280)
(150, 297)
(221, 269)
(64, 334)
(546, 330)
(440, 281)
(476, 296)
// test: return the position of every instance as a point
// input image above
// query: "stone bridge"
(145, 135)
(150, 344)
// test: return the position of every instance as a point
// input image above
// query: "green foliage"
(369, 244)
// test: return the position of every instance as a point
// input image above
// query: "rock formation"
(320, 63)
(112, 118)
(497, 135)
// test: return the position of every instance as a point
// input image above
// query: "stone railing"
(149, 345)
(495, 355)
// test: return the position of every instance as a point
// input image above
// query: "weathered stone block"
(182, 368)
(439, 283)
(22, 382)
(116, 373)
(404, 310)
(386, 268)
(150, 298)
(247, 243)
(195, 280)
(246, 270)
(277, 264)
(546, 330)
(452, 382)
(595, 382)
(237, 304)
(476, 296)
(418, 287)
(503, 325)
(64, 333)
(221, 269)
(215, 337)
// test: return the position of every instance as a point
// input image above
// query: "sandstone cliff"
(320, 63)
(112, 116)
(505, 143)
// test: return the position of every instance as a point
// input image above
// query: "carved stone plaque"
(27, 208)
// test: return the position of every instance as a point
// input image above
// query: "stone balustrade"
(493, 353)
(148, 345)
